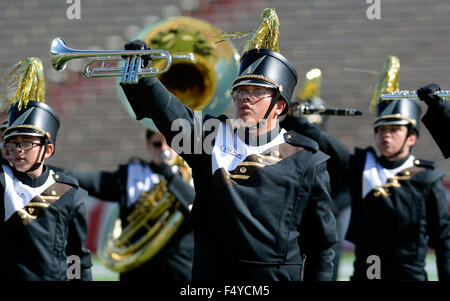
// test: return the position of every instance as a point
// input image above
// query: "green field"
(101, 273)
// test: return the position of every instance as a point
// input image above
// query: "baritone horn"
(412, 94)
(131, 71)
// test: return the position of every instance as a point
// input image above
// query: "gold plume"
(388, 81)
(266, 36)
(26, 81)
(311, 85)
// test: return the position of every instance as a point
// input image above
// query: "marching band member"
(437, 117)
(42, 214)
(399, 205)
(262, 194)
(126, 184)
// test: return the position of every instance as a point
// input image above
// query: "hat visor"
(390, 121)
(253, 82)
(22, 132)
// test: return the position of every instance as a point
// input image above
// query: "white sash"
(18, 195)
(229, 150)
(140, 179)
(375, 175)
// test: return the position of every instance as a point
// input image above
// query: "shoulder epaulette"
(296, 139)
(424, 163)
(63, 177)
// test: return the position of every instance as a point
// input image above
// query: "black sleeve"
(337, 165)
(338, 152)
(149, 98)
(182, 191)
(437, 121)
(438, 228)
(77, 235)
(100, 184)
(318, 230)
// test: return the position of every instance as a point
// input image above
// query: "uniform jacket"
(36, 240)
(398, 221)
(174, 261)
(437, 121)
(339, 188)
(256, 220)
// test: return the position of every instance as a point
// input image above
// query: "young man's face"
(390, 138)
(159, 149)
(252, 103)
(24, 151)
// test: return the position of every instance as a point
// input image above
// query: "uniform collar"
(262, 139)
(30, 181)
(392, 164)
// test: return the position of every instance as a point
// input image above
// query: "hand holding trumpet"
(138, 45)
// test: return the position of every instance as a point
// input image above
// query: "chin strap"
(38, 164)
(410, 132)
(264, 120)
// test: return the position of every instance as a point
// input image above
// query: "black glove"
(162, 169)
(427, 94)
(138, 45)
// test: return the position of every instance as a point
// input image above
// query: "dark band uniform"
(33, 240)
(396, 221)
(256, 212)
(42, 220)
(174, 260)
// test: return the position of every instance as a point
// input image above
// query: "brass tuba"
(155, 218)
(203, 84)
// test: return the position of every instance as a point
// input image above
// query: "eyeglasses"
(24, 145)
(252, 94)
(157, 144)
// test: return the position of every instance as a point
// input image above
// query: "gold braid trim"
(411, 120)
(28, 126)
(260, 77)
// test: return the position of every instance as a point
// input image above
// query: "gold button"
(57, 177)
(288, 137)
(417, 162)
(53, 192)
(406, 173)
(243, 169)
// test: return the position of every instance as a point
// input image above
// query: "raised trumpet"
(412, 94)
(131, 71)
(322, 110)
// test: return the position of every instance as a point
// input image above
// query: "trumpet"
(322, 110)
(131, 71)
(411, 94)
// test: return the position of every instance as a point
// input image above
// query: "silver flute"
(412, 94)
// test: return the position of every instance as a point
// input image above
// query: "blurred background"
(339, 37)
